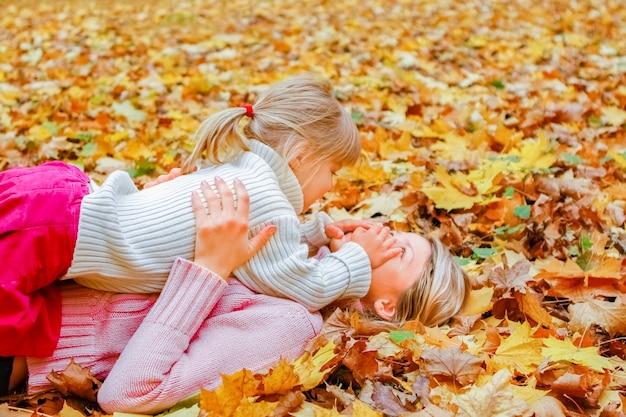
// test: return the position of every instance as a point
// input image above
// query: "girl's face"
(315, 178)
(396, 275)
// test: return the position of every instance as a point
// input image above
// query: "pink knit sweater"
(198, 328)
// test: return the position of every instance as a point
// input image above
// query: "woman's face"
(396, 275)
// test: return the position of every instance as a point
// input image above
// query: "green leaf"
(462, 261)
(51, 127)
(142, 167)
(498, 84)
(511, 158)
(586, 243)
(399, 336)
(357, 118)
(484, 252)
(571, 158)
(509, 192)
(129, 111)
(86, 136)
(88, 150)
(594, 120)
(523, 212)
(505, 230)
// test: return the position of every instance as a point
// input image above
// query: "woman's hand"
(222, 243)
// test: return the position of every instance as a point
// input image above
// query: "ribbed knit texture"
(128, 239)
(199, 328)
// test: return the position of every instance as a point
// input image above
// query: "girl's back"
(129, 239)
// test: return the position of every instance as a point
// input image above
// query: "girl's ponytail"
(218, 137)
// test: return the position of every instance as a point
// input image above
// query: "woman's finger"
(212, 200)
(243, 199)
(198, 208)
(226, 196)
(257, 242)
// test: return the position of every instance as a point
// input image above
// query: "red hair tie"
(249, 110)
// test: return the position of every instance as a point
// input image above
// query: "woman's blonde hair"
(296, 116)
(438, 293)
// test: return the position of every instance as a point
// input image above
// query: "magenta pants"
(39, 210)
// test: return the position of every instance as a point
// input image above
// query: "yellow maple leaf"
(394, 149)
(533, 154)
(118, 136)
(312, 370)
(479, 302)
(365, 170)
(312, 410)
(279, 379)
(447, 196)
(619, 158)
(494, 399)
(485, 179)
(136, 150)
(387, 204)
(249, 408)
(39, 132)
(360, 409)
(529, 391)
(453, 146)
(564, 350)
(614, 115)
(225, 399)
(520, 351)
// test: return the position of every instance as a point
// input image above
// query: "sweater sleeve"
(189, 339)
(313, 231)
(282, 268)
(143, 371)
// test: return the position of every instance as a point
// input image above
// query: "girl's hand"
(222, 243)
(378, 243)
(174, 173)
(339, 228)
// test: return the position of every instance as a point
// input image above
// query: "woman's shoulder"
(239, 297)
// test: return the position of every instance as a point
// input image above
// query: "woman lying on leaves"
(155, 350)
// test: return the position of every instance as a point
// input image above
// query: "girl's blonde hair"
(438, 293)
(296, 116)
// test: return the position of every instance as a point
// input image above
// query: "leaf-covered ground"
(498, 126)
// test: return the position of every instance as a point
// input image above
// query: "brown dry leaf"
(513, 278)
(532, 308)
(75, 380)
(452, 363)
(610, 316)
(361, 362)
(546, 407)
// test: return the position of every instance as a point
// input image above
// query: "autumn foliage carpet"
(498, 126)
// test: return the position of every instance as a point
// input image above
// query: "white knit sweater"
(128, 239)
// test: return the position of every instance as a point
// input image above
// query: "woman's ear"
(385, 308)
